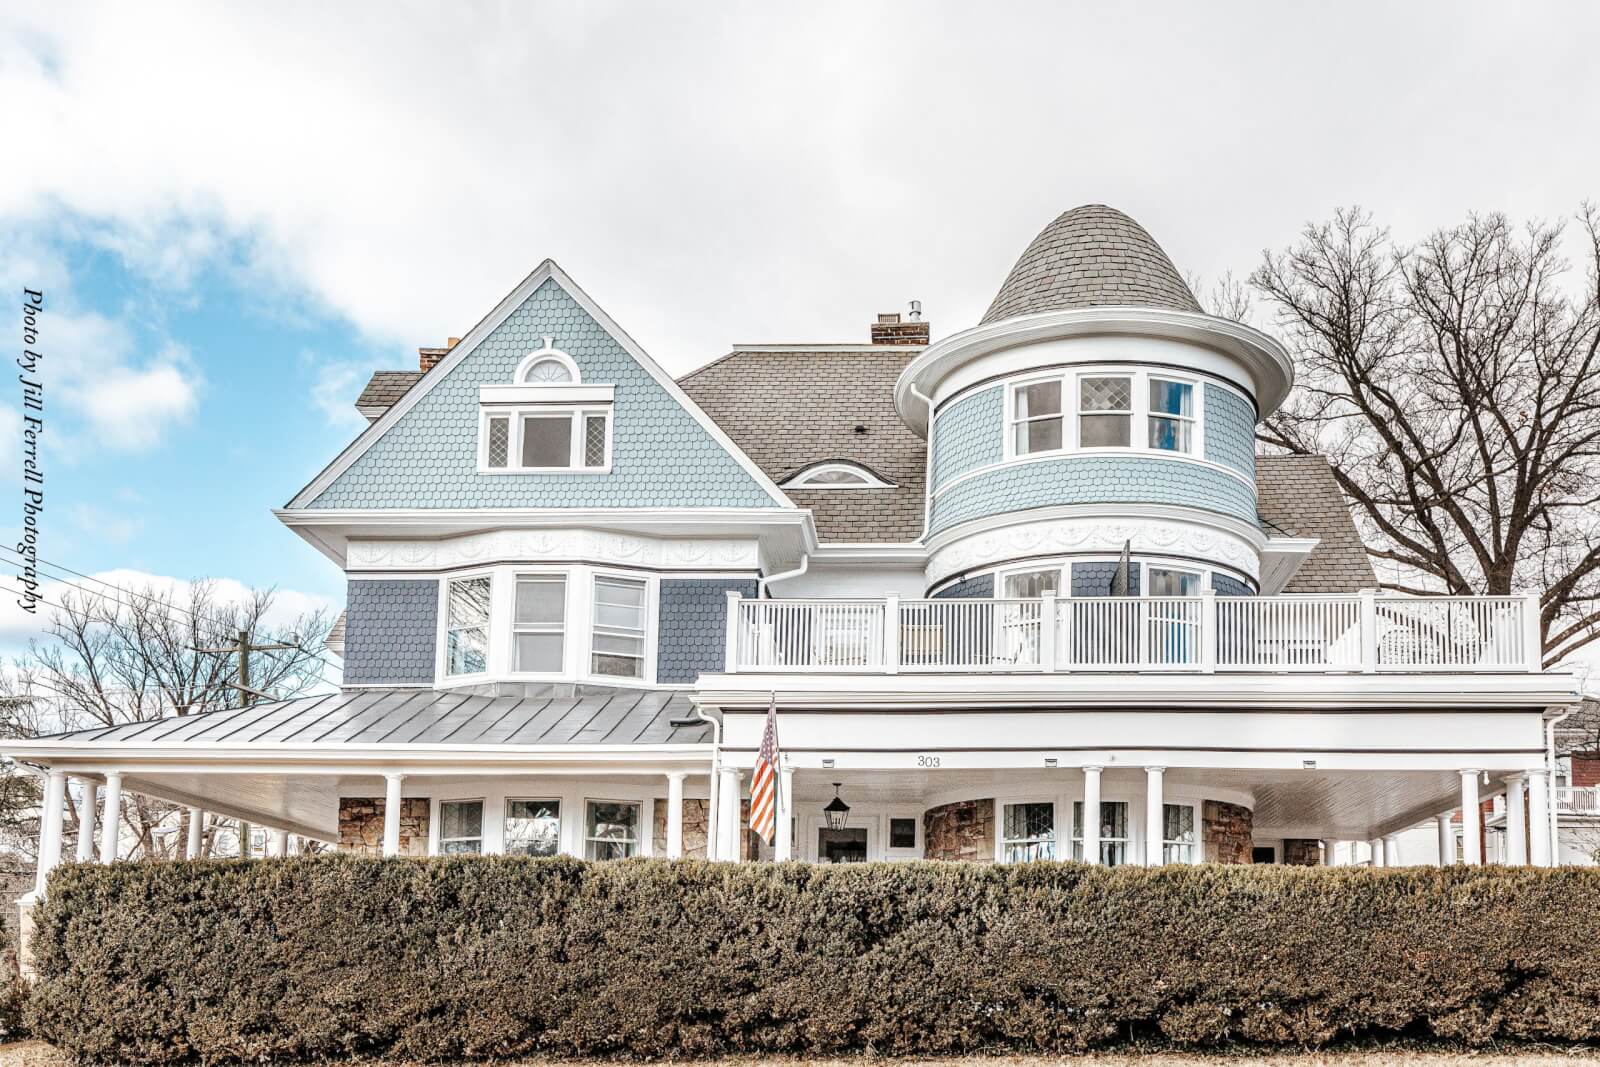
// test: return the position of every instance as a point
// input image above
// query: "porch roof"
(409, 717)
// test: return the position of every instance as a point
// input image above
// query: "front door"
(842, 846)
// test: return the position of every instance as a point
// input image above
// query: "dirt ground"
(38, 1054)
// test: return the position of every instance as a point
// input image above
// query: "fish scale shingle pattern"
(1230, 429)
(390, 630)
(662, 457)
(968, 434)
(693, 628)
(1091, 256)
(1092, 480)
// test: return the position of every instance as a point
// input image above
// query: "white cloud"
(114, 527)
(129, 407)
(334, 389)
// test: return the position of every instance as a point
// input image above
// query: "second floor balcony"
(1357, 632)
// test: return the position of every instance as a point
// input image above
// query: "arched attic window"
(836, 475)
(547, 366)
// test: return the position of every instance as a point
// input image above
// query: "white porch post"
(1154, 817)
(197, 834)
(391, 814)
(1471, 821)
(1391, 850)
(1091, 815)
(1376, 847)
(728, 820)
(675, 814)
(50, 823)
(1541, 851)
(246, 844)
(1447, 839)
(278, 844)
(86, 821)
(111, 818)
(1516, 828)
(783, 846)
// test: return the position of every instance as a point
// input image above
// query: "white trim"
(546, 394)
(553, 354)
(475, 336)
(801, 479)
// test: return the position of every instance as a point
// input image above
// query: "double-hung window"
(1029, 832)
(611, 830)
(1113, 831)
(1177, 833)
(460, 827)
(533, 827)
(539, 623)
(1171, 426)
(618, 638)
(1036, 417)
(1105, 411)
(547, 439)
(467, 626)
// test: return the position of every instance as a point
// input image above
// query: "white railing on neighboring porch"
(1578, 800)
(1343, 632)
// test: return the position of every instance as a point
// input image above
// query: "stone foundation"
(1302, 852)
(361, 825)
(1227, 829)
(960, 831)
(696, 823)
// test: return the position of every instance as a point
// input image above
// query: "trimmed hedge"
(472, 957)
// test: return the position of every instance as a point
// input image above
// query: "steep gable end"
(423, 453)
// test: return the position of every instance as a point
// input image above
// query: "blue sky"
(239, 212)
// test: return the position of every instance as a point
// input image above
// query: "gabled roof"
(790, 409)
(1091, 256)
(1297, 496)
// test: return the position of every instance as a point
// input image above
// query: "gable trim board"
(546, 271)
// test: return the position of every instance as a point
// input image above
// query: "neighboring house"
(576, 586)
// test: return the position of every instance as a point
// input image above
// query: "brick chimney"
(889, 330)
(427, 358)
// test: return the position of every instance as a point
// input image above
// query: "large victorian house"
(1024, 592)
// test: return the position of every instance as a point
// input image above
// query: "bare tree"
(135, 655)
(1453, 387)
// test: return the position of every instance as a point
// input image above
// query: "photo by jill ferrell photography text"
(32, 384)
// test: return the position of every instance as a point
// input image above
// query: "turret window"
(1094, 410)
(1105, 412)
(1171, 415)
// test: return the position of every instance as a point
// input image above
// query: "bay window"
(1138, 410)
(1029, 832)
(611, 830)
(618, 637)
(467, 626)
(1113, 831)
(538, 623)
(533, 827)
(460, 827)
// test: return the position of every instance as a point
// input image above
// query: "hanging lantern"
(837, 810)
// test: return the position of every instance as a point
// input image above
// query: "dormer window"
(545, 420)
(836, 475)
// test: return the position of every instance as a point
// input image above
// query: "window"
(1030, 585)
(1113, 831)
(539, 624)
(1171, 415)
(547, 371)
(467, 626)
(533, 827)
(902, 833)
(1036, 417)
(611, 831)
(1164, 581)
(1177, 833)
(619, 627)
(460, 827)
(1030, 832)
(1105, 412)
(546, 439)
(836, 476)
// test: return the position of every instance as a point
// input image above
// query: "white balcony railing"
(1363, 632)
(1578, 800)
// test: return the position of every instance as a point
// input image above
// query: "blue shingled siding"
(1094, 579)
(978, 587)
(1093, 480)
(969, 434)
(661, 457)
(694, 625)
(390, 631)
(1227, 585)
(1230, 430)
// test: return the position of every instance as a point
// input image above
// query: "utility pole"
(242, 649)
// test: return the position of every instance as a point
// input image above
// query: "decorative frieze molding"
(1078, 536)
(589, 546)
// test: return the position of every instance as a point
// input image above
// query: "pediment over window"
(836, 474)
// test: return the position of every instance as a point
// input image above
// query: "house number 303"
(927, 761)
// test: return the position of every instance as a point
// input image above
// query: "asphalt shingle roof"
(386, 387)
(1297, 495)
(1091, 256)
(789, 410)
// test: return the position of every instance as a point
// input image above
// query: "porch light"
(837, 810)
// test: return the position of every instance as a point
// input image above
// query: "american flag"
(764, 785)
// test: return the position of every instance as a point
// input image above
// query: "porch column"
(50, 822)
(728, 819)
(197, 834)
(783, 848)
(1376, 847)
(1516, 828)
(391, 814)
(246, 832)
(86, 821)
(278, 844)
(1154, 817)
(1091, 815)
(1391, 850)
(1471, 820)
(1447, 839)
(675, 814)
(111, 817)
(1541, 852)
